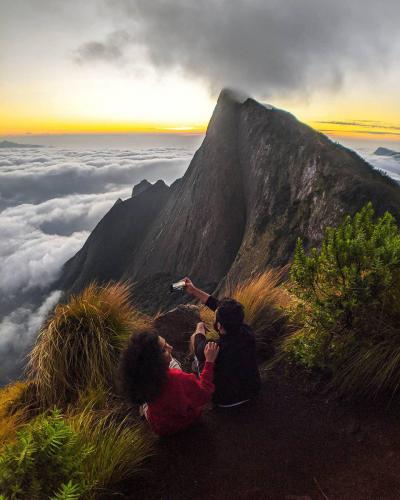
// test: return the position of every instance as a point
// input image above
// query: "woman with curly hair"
(173, 399)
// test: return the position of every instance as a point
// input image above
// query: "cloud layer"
(18, 331)
(50, 200)
(36, 175)
(267, 47)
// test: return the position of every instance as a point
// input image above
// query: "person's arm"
(199, 340)
(201, 390)
(196, 292)
(204, 297)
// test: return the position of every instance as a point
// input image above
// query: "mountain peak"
(140, 187)
(260, 180)
(386, 152)
(235, 95)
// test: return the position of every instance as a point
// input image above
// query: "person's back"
(236, 377)
(181, 401)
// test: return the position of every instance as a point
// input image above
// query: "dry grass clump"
(120, 447)
(265, 301)
(79, 346)
(10, 419)
(208, 317)
(263, 298)
(370, 372)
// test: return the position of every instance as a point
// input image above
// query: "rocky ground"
(293, 443)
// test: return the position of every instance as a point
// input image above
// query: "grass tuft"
(121, 446)
(79, 346)
(12, 413)
(264, 299)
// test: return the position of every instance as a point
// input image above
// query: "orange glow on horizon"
(33, 126)
(43, 127)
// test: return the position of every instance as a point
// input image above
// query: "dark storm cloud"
(263, 46)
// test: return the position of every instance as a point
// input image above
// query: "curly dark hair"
(230, 313)
(142, 368)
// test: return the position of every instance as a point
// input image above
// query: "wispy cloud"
(361, 123)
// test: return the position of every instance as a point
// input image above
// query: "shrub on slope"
(79, 346)
(348, 296)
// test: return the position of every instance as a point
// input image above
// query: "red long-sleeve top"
(182, 400)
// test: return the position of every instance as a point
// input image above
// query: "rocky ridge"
(260, 180)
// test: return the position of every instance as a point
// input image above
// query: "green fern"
(46, 459)
(69, 491)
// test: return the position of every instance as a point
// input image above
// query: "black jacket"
(236, 374)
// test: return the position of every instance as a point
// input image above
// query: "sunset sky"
(158, 66)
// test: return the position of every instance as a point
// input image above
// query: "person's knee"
(191, 343)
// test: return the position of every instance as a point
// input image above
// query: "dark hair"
(142, 368)
(230, 313)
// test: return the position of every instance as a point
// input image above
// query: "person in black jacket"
(236, 378)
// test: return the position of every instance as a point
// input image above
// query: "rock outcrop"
(387, 152)
(260, 180)
(141, 187)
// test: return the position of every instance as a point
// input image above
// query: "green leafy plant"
(68, 491)
(348, 303)
(46, 459)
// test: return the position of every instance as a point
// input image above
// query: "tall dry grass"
(120, 447)
(11, 419)
(265, 301)
(372, 371)
(79, 346)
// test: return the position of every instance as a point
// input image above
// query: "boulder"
(177, 325)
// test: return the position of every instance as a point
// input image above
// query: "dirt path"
(289, 445)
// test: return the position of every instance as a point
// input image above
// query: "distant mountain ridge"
(9, 144)
(260, 180)
(387, 152)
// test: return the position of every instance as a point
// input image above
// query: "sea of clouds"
(391, 166)
(50, 201)
(51, 198)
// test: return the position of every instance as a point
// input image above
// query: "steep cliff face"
(259, 180)
(114, 242)
(200, 228)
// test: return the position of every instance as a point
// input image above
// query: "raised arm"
(196, 292)
(201, 389)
